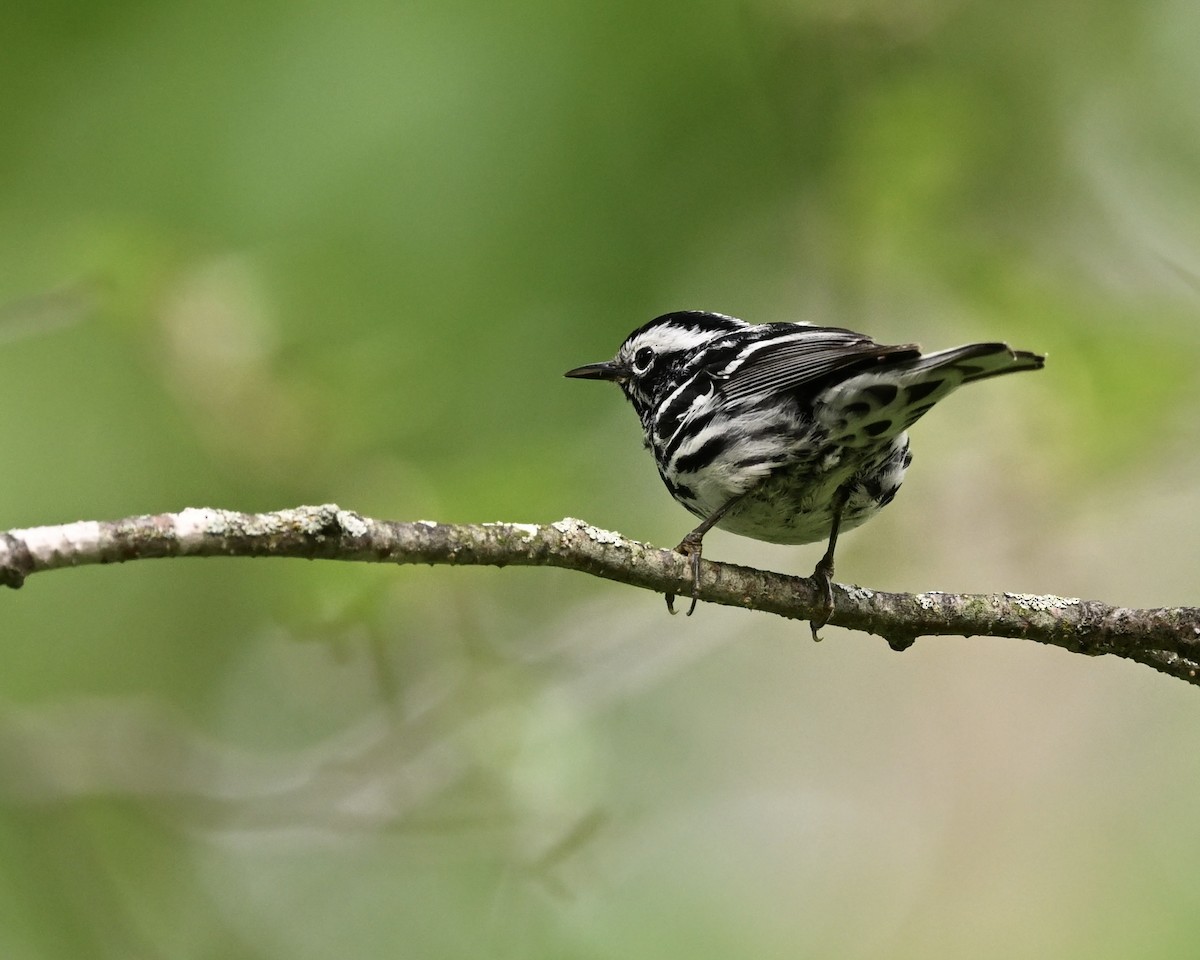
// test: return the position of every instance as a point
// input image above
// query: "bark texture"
(1167, 639)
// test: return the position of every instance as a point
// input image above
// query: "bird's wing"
(805, 360)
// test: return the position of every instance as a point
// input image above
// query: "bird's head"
(651, 359)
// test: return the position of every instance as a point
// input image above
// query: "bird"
(788, 433)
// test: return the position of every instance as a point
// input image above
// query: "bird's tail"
(871, 407)
(976, 361)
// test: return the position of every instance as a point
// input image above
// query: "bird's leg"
(823, 572)
(692, 546)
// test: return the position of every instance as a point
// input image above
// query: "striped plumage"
(784, 432)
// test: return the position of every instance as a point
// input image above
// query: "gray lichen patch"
(929, 600)
(1041, 603)
(569, 525)
(353, 523)
(525, 532)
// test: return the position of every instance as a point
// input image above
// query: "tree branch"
(1166, 639)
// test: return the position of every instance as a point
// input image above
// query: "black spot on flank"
(886, 496)
(919, 391)
(878, 427)
(695, 425)
(873, 487)
(704, 455)
(885, 393)
(679, 491)
(856, 409)
(916, 413)
(907, 459)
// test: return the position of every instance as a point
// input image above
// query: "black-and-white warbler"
(783, 432)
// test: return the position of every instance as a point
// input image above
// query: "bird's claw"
(822, 576)
(691, 547)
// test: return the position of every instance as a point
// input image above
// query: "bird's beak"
(608, 370)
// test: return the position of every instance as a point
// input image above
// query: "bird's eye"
(642, 360)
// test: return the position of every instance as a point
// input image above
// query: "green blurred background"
(260, 254)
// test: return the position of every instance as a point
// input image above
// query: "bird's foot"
(691, 547)
(822, 576)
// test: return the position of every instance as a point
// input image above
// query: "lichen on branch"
(1167, 639)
